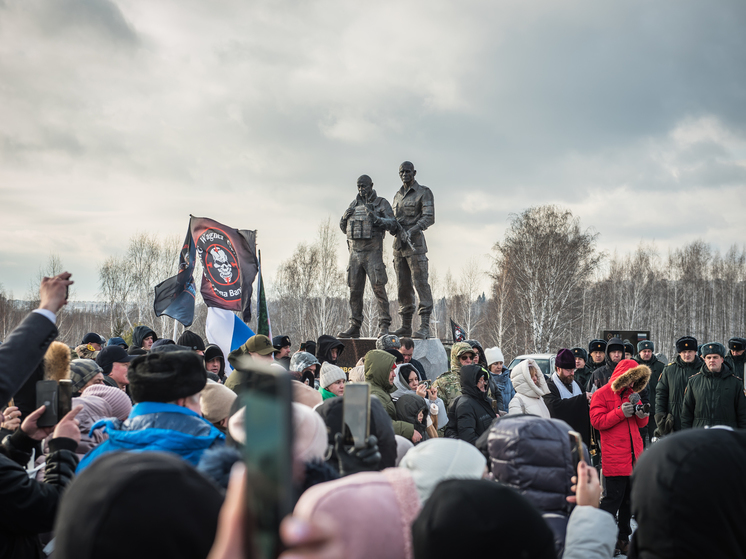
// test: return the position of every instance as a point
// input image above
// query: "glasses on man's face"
(467, 358)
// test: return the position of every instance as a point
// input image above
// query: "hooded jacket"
(621, 443)
(528, 397)
(378, 364)
(669, 394)
(403, 388)
(158, 427)
(501, 384)
(139, 334)
(324, 347)
(211, 352)
(714, 399)
(472, 410)
(408, 408)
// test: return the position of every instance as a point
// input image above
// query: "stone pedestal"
(355, 348)
(432, 355)
(429, 352)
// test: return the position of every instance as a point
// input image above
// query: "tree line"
(549, 287)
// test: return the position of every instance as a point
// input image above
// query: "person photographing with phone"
(619, 420)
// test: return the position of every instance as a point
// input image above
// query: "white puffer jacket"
(528, 396)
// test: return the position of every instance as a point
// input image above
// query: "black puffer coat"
(473, 409)
(602, 374)
(714, 399)
(533, 455)
(669, 394)
(29, 507)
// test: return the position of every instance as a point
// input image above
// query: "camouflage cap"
(301, 360)
(389, 341)
(82, 371)
(459, 348)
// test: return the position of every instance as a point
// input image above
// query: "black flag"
(175, 296)
(229, 264)
(458, 333)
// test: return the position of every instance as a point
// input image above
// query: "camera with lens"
(644, 408)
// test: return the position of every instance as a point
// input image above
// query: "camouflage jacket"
(449, 388)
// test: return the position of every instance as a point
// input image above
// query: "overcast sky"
(125, 117)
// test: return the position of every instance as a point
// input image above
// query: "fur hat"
(686, 343)
(493, 355)
(389, 341)
(565, 359)
(713, 347)
(216, 402)
(645, 344)
(191, 340)
(330, 374)
(737, 344)
(82, 372)
(579, 352)
(120, 403)
(166, 377)
(628, 373)
(278, 342)
(596, 345)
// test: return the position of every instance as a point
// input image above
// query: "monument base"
(430, 353)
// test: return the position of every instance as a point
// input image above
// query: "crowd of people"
(481, 460)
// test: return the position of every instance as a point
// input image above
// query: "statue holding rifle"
(414, 211)
(365, 222)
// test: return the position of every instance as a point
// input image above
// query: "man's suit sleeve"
(22, 351)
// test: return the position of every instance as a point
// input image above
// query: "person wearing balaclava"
(471, 413)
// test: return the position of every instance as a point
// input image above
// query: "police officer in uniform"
(364, 223)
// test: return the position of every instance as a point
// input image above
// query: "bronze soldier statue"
(365, 222)
(414, 211)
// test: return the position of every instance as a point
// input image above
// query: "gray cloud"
(125, 117)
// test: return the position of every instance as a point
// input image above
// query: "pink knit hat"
(120, 403)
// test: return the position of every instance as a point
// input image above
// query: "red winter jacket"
(620, 436)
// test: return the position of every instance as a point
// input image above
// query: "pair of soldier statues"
(365, 222)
